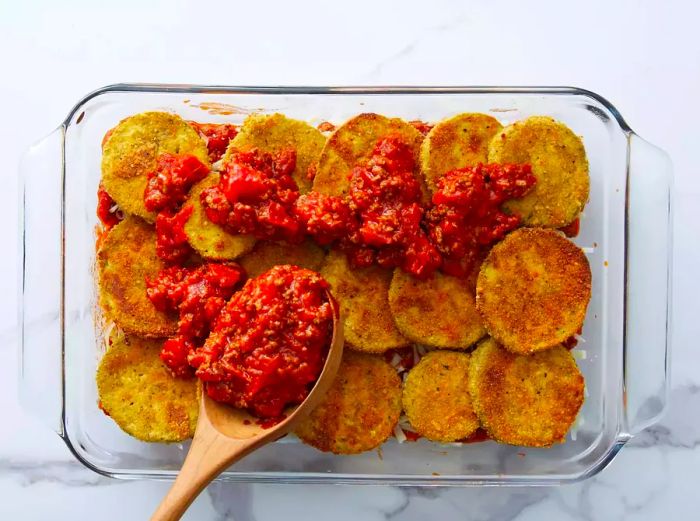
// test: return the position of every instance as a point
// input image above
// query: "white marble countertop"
(644, 56)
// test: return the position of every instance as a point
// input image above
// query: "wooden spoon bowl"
(224, 434)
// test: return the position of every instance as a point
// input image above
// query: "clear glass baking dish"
(625, 230)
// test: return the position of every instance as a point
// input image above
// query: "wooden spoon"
(224, 434)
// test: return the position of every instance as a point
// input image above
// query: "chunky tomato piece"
(173, 177)
(326, 218)
(171, 240)
(217, 135)
(466, 216)
(107, 210)
(197, 295)
(256, 195)
(386, 197)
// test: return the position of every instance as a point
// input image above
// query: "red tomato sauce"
(217, 136)
(380, 221)
(386, 196)
(326, 126)
(107, 135)
(412, 436)
(466, 215)
(572, 341)
(167, 188)
(256, 195)
(108, 212)
(197, 295)
(326, 218)
(171, 240)
(269, 343)
(572, 229)
(421, 126)
(172, 179)
(477, 436)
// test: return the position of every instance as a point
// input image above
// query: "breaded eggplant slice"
(138, 392)
(363, 295)
(127, 256)
(353, 142)
(533, 290)
(131, 151)
(436, 398)
(460, 141)
(359, 411)
(267, 254)
(559, 163)
(438, 312)
(274, 133)
(208, 239)
(527, 400)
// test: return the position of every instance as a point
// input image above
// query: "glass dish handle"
(41, 350)
(648, 314)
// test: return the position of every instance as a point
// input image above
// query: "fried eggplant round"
(527, 400)
(438, 312)
(436, 397)
(363, 295)
(460, 141)
(274, 133)
(127, 256)
(533, 290)
(209, 239)
(559, 163)
(352, 143)
(131, 151)
(359, 411)
(267, 254)
(138, 392)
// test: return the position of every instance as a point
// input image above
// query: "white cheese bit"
(587, 249)
(108, 334)
(399, 434)
(578, 423)
(114, 208)
(404, 423)
(579, 338)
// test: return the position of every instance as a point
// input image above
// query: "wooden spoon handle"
(209, 455)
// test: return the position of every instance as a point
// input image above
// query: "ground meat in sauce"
(466, 216)
(197, 295)
(269, 343)
(217, 135)
(380, 221)
(256, 195)
(172, 179)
